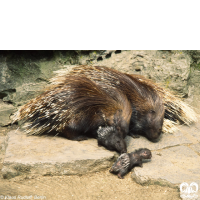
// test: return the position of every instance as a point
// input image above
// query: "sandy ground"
(101, 185)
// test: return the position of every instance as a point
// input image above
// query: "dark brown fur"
(127, 161)
(147, 106)
(107, 137)
(76, 108)
(172, 111)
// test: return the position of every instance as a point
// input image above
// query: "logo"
(188, 191)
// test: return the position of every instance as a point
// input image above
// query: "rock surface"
(194, 92)
(23, 74)
(6, 110)
(52, 156)
(175, 159)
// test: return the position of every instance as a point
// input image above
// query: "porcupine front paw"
(119, 176)
(80, 138)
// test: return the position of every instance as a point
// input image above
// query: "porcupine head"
(149, 122)
(109, 138)
(112, 134)
(121, 166)
(144, 153)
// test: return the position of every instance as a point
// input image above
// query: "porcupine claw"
(111, 170)
(119, 176)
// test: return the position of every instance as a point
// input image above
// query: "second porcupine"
(127, 161)
(176, 109)
(147, 105)
(76, 108)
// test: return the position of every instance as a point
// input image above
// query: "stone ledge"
(52, 156)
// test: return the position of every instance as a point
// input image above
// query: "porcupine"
(147, 105)
(175, 108)
(77, 107)
(107, 137)
(127, 161)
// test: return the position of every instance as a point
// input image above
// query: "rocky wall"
(24, 74)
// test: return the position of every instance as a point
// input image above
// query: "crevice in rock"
(5, 93)
(138, 69)
(108, 55)
(176, 145)
(42, 80)
(4, 96)
(99, 58)
(9, 124)
(118, 51)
